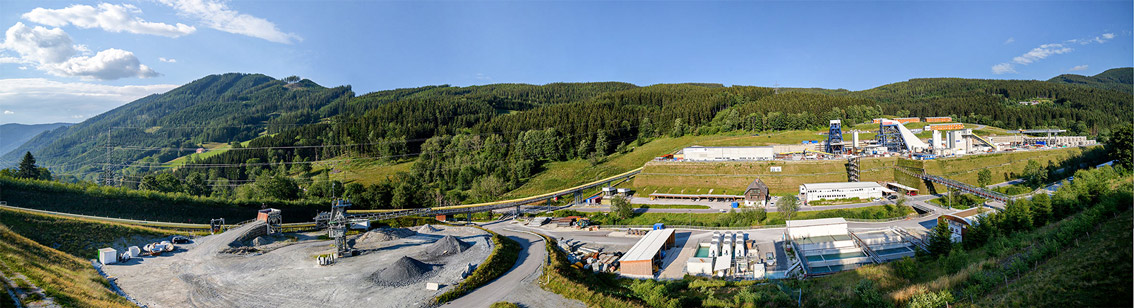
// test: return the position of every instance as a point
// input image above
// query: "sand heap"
(403, 272)
(445, 246)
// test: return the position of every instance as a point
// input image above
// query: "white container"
(107, 256)
(432, 286)
(134, 251)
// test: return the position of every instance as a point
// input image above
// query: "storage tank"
(855, 144)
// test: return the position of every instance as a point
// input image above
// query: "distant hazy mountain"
(1118, 79)
(12, 135)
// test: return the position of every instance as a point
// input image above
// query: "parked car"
(770, 259)
(180, 240)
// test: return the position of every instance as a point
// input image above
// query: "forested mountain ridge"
(12, 135)
(216, 108)
(1118, 79)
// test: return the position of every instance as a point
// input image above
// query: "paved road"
(520, 279)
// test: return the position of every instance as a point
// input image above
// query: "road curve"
(522, 275)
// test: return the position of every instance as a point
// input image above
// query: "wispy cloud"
(1044, 51)
(39, 100)
(109, 17)
(217, 15)
(1003, 68)
(167, 60)
(1078, 68)
(1009, 41)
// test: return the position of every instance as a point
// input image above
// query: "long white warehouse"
(699, 153)
(841, 190)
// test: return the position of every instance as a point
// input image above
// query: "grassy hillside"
(78, 237)
(1004, 166)
(69, 280)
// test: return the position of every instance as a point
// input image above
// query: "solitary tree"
(984, 177)
(621, 208)
(1121, 146)
(788, 206)
(28, 170)
(940, 240)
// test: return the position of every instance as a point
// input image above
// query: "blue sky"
(123, 49)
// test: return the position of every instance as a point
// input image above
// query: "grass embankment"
(836, 201)
(115, 202)
(504, 305)
(78, 237)
(960, 201)
(742, 218)
(505, 251)
(69, 280)
(733, 177)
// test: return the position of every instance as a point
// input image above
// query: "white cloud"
(52, 51)
(40, 100)
(1003, 68)
(1079, 68)
(1009, 40)
(108, 64)
(1039, 53)
(38, 44)
(167, 60)
(1108, 35)
(217, 15)
(109, 17)
(8, 112)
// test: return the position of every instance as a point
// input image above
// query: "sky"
(66, 61)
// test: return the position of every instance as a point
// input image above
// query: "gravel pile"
(261, 241)
(446, 246)
(384, 234)
(427, 228)
(403, 272)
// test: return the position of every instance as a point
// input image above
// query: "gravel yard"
(287, 275)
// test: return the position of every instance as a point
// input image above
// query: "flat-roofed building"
(945, 126)
(938, 119)
(841, 190)
(797, 229)
(908, 120)
(700, 153)
(646, 255)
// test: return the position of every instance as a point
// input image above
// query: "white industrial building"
(699, 153)
(842, 190)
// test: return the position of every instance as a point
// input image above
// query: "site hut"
(938, 119)
(107, 256)
(645, 257)
(700, 153)
(841, 190)
(824, 245)
(960, 222)
(756, 194)
(625, 192)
